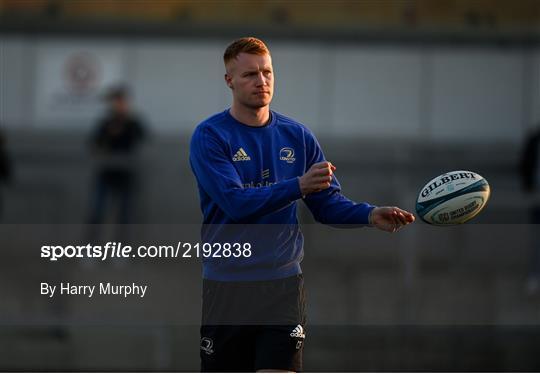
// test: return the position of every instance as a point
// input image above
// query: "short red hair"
(248, 44)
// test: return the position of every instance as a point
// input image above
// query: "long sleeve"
(217, 176)
(329, 206)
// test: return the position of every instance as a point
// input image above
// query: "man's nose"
(261, 79)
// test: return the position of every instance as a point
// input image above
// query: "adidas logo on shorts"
(298, 332)
(241, 155)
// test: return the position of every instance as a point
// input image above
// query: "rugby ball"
(452, 198)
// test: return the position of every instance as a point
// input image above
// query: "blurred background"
(98, 100)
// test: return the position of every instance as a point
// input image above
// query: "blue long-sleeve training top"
(248, 176)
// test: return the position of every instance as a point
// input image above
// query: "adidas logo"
(298, 332)
(241, 155)
(265, 173)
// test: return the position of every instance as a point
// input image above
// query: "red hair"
(249, 45)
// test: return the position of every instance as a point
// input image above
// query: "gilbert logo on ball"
(452, 198)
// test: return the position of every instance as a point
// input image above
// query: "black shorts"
(249, 326)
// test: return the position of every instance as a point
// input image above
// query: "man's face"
(251, 79)
(120, 105)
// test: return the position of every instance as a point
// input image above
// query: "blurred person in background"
(530, 173)
(116, 142)
(5, 167)
(252, 165)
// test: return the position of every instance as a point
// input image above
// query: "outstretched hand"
(390, 218)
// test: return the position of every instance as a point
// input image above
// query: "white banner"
(71, 79)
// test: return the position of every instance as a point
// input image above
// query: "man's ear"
(228, 80)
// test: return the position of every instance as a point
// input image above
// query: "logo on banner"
(82, 72)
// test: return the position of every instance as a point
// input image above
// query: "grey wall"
(471, 94)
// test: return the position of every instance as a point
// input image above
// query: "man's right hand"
(317, 178)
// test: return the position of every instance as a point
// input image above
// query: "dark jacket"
(5, 166)
(529, 160)
(118, 134)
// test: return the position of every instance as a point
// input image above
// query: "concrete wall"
(471, 94)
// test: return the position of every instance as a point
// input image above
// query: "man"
(252, 165)
(117, 139)
(530, 173)
(5, 168)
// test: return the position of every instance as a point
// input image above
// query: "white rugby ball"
(452, 198)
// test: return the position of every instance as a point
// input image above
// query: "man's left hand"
(390, 218)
